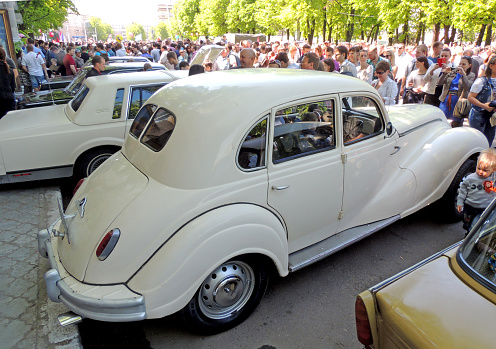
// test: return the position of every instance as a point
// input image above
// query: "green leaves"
(44, 14)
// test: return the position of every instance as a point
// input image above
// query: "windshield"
(76, 83)
(478, 253)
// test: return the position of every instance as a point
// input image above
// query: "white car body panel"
(189, 207)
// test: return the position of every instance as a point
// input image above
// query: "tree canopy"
(133, 30)
(44, 14)
(336, 20)
(103, 30)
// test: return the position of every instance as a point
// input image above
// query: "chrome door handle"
(396, 149)
(280, 188)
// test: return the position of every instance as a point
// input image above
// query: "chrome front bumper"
(97, 302)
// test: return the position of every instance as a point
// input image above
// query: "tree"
(44, 14)
(161, 31)
(183, 22)
(135, 29)
(103, 30)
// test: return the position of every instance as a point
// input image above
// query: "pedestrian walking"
(7, 85)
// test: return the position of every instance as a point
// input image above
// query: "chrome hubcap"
(226, 290)
(96, 162)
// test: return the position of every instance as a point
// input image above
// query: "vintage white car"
(75, 138)
(227, 176)
(446, 301)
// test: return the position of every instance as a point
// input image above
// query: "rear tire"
(92, 160)
(228, 295)
(447, 204)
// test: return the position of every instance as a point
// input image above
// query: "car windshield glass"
(76, 83)
(78, 100)
(478, 252)
(159, 130)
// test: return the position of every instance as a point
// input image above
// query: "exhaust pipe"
(69, 318)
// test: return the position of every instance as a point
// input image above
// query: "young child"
(478, 189)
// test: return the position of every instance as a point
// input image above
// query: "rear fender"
(170, 278)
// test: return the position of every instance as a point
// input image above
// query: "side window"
(361, 119)
(119, 98)
(140, 95)
(159, 130)
(251, 153)
(303, 129)
(141, 119)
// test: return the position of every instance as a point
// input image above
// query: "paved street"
(27, 319)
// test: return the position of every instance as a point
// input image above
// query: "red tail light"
(364, 332)
(77, 186)
(107, 244)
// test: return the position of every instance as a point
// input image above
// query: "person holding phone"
(431, 78)
(456, 83)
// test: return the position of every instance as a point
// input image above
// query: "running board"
(334, 243)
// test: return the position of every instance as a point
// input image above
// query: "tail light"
(107, 244)
(364, 332)
(78, 185)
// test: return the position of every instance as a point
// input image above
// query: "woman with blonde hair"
(294, 54)
(389, 54)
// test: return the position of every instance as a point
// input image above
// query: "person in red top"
(69, 62)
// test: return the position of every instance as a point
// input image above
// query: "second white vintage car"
(227, 176)
(75, 138)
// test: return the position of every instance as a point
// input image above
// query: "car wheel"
(92, 160)
(228, 295)
(447, 204)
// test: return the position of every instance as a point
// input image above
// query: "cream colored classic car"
(445, 301)
(227, 176)
(75, 138)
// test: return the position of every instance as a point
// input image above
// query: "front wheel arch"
(228, 295)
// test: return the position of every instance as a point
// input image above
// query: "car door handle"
(396, 149)
(280, 188)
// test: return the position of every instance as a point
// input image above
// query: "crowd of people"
(460, 80)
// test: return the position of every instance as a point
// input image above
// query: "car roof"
(133, 78)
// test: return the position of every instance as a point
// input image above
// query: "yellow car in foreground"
(445, 301)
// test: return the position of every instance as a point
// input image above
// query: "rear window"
(159, 130)
(142, 119)
(78, 100)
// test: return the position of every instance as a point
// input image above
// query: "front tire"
(227, 296)
(447, 204)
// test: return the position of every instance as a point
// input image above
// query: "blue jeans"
(36, 80)
(477, 121)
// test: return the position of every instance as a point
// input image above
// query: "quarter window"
(140, 95)
(78, 100)
(361, 119)
(119, 98)
(159, 130)
(142, 119)
(251, 154)
(303, 129)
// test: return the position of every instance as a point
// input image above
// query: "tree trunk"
(369, 37)
(310, 31)
(419, 33)
(397, 35)
(324, 25)
(453, 34)
(298, 32)
(377, 33)
(446, 34)
(362, 35)
(351, 26)
(489, 34)
(481, 35)
(405, 33)
(437, 31)
(288, 34)
(423, 33)
(329, 36)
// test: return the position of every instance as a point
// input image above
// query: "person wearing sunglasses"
(386, 87)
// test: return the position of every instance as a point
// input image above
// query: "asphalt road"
(311, 308)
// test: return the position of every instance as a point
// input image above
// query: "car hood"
(407, 117)
(432, 308)
(116, 178)
(43, 97)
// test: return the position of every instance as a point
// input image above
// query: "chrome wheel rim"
(96, 162)
(226, 290)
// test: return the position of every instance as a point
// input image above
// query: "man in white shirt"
(34, 64)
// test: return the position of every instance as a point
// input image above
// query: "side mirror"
(389, 129)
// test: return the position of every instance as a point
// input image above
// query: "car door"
(375, 187)
(305, 170)
(138, 95)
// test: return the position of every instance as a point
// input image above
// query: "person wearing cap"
(78, 59)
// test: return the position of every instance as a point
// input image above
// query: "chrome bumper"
(103, 309)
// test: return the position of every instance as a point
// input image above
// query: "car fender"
(435, 157)
(89, 144)
(170, 278)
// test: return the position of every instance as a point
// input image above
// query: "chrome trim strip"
(381, 285)
(419, 126)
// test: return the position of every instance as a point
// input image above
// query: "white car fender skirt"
(171, 277)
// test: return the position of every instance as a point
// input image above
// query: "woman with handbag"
(481, 94)
(414, 93)
(456, 84)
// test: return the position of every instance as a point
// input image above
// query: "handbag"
(462, 108)
(412, 97)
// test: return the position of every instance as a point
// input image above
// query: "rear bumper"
(113, 303)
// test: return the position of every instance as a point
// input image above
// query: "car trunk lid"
(116, 178)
